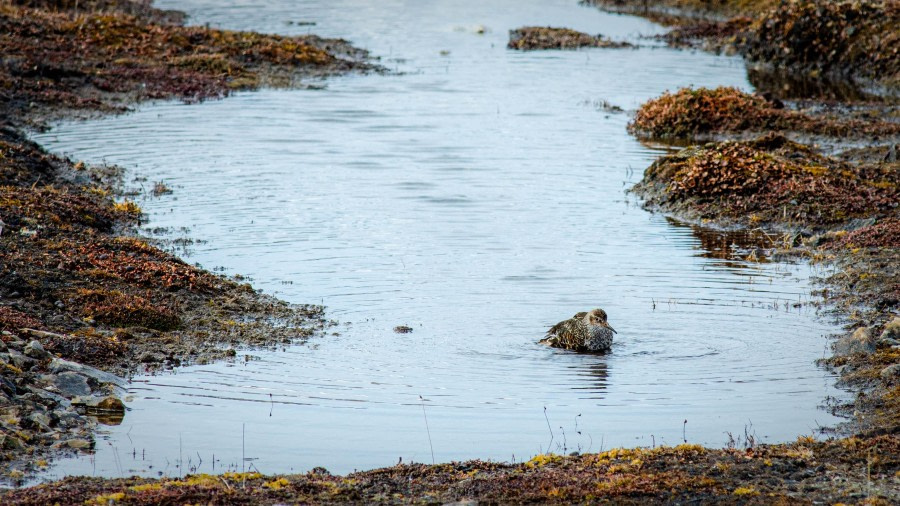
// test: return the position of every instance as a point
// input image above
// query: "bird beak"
(610, 327)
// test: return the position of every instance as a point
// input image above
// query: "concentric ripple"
(479, 197)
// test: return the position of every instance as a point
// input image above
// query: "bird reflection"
(594, 372)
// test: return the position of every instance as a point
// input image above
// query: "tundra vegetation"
(812, 166)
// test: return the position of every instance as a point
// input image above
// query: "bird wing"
(569, 334)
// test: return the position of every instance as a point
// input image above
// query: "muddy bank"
(104, 56)
(81, 294)
(530, 38)
(835, 40)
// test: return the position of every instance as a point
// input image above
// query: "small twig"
(548, 428)
(427, 429)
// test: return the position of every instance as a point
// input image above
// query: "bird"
(586, 331)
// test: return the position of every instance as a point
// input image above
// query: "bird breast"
(599, 338)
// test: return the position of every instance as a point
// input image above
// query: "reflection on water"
(475, 199)
(791, 86)
(739, 246)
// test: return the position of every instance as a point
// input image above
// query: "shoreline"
(860, 467)
(85, 300)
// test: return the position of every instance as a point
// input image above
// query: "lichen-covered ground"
(818, 176)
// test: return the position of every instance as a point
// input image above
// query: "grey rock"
(892, 330)
(71, 384)
(101, 377)
(890, 372)
(21, 361)
(50, 396)
(40, 419)
(8, 388)
(36, 350)
(861, 341)
(79, 444)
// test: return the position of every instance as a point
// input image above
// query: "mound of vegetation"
(539, 37)
(850, 39)
(769, 180)
(106, 53)
(690, 113)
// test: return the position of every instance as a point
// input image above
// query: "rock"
(49, 396)
(71, 384)
(21, 361)
(858, 223)
(7, 387)
(79, 444)
(890, 372)
(862, 341)
(36, 350)
(101, 377)
(892, 330)
(8, 442)
(40, 419)
(149, 357)
(110, 403)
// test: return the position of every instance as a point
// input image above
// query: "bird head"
(598, 317)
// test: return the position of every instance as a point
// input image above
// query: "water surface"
(478, 197)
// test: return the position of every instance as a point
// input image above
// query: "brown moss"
(50, 207)
(690, 113)
(854, 39)
(91, 59)
(539, 37)
(123, 310)
(87, 346)
(769, 180)
(883, 234)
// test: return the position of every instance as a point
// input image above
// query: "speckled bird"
(586, 331)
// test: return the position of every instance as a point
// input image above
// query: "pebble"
(890, 372)
(36, 350)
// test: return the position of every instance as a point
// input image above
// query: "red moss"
(690, 112)
(76, 59)
(123, 310)
(884, 234)
(772, 179)
(134, 261)
(12, 320)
